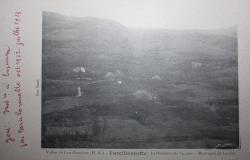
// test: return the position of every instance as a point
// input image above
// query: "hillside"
(140, 88)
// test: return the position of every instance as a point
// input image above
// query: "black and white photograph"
(112, 86)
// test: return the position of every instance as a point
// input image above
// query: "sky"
(172, 14)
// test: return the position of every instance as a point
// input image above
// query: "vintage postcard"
(124, 79)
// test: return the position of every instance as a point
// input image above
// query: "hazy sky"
(180, 14)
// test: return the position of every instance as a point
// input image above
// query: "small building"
(79, 69)
(79, 92)
(156, 77)
(110, 76)
(196, 64)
